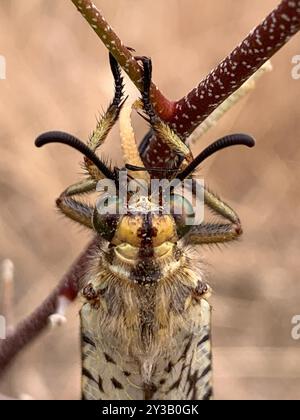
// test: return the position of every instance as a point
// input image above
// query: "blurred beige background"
(58, 78)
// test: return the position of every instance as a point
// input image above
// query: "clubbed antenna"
(227, 141)
(69, 140)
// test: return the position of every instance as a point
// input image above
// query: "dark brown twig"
(122, 54)
(31, 327)
(260, 45)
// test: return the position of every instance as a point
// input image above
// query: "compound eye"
(106, 216)
(183, 213)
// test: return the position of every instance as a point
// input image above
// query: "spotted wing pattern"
(182, 372)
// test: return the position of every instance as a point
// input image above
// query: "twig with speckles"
(121, 53)
(260, 45)
(225, 106)
(187, 113)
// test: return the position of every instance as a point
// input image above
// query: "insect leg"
(108, 119)
(212, 233)
(163, 130)
(219, 207)
(215, 232)
(233, 99)
(77, 211)
(81, 187)
(111, 115)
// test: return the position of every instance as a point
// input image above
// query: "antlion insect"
(144, 331)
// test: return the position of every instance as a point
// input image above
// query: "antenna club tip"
(49, 137)
(251, 143)
(37, 142)
(40, 140)
(246, 139)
